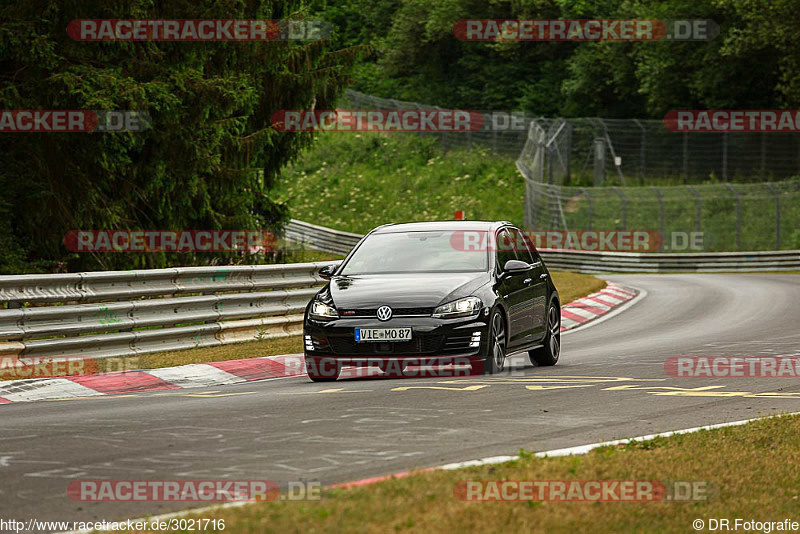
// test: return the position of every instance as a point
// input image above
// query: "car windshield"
(413, 252)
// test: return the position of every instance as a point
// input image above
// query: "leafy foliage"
(210, 158)
(752, 64)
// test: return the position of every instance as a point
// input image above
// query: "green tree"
(210, 158)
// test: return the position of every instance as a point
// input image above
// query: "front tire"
(549, 353)
(496, 353)
(322, 369)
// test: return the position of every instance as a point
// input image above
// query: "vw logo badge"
(384, 313)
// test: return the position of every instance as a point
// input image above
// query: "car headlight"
(320, 310)
(465, 307)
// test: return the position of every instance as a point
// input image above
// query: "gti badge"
(384, 313)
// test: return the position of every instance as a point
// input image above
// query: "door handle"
(527, 281)
(543, 276)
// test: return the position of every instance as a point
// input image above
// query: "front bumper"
(431, 339)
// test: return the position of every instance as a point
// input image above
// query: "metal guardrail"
(589, 261)
(107, 314)
(320, 237)
(630, 262)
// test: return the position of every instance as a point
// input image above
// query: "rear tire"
(496, 354)
(322, 369)
(549, 353)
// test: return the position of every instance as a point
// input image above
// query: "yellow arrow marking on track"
(468, 388)
(217, 394)
(670, 388)
(334, 390)
(774, 395)
(542, 388)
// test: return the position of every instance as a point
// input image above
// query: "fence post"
(660, 212)
(494, 134)
(624, 207)
(777, 216)
(725, 156)
(738, 215)
(599, 160)
(686, 156)
(763, 155)
(591, 206)
(569, 151)
(642, 145)
(442, 135)
(699, 207)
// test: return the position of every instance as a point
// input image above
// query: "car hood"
(403, 290)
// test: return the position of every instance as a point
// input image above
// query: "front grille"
(363, 312)
(418, 345)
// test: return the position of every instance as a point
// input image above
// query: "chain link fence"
(628, 174)
(503, 132)
(727, 216)
(594, 151)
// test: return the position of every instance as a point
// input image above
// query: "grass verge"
(752, 468)
(373, 178)
(570, 285)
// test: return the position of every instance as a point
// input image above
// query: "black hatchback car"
(438, 291)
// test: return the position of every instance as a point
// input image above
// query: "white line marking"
(583, 449)
(569, 451)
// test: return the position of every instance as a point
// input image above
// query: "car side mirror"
(515, 266)
(327, 272)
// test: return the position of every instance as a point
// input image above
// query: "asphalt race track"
(610, 383)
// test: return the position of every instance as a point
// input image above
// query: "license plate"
(383, 334)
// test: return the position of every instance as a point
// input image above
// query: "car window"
(408, 252)
(523, 246)
(505, 248)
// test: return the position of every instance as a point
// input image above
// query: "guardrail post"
(699, 207)
(624, 207)
(777, 216)
(738, 216)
